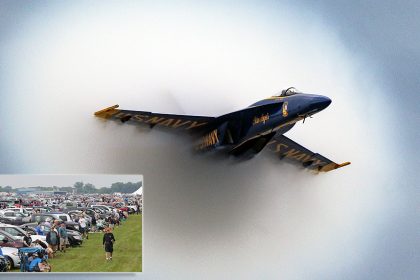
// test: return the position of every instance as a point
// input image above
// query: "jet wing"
(288, 149)
(177, 122)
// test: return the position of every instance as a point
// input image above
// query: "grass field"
(90, 257)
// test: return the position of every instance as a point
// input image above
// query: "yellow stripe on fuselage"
(274, 98)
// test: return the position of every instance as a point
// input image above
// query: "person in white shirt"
(83, 226)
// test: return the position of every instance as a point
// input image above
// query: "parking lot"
(90, 257)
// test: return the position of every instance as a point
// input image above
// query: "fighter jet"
(245, 132)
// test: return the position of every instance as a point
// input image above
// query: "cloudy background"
(208, 217)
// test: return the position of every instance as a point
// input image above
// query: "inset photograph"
(71, 223)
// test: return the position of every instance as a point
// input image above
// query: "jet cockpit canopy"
(290, 91)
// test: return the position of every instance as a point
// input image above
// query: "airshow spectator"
(27, 240)
(52, 240)
(117, 218)
(38, 229)
(110, 221)
(83, 226)
(44, 266)
(62, 233)
(108, 242)
(33, 265)
(137, 208)
(48, 222)
(47, 248)
(56, 223)
(39, 265)
(93, 223)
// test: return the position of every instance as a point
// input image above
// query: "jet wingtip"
(343, 164)
(107, 111)
(332, 166)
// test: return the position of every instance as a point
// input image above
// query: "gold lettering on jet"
(292, 153)
(196, 124)
(180, 123)
(284, 150)
(162, 121)
(167, 122)
(208, 140)
(140, 118)
(154, 120)
(261, 119)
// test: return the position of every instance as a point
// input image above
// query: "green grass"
(90, 257)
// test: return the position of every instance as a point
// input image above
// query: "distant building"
(59, 193)
(34, 190)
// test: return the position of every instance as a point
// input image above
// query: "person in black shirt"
(93, 223)
(27, 240)
(108, 242)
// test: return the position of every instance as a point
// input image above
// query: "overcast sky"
(212, 218)
(386, 34)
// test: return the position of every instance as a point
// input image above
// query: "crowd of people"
(100, 214)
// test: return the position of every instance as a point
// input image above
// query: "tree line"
(82, 188)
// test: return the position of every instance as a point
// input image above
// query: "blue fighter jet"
(247, 131)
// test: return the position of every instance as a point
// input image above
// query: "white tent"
(139, 191)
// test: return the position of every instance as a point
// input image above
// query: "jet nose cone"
(319, 103)
(325, 102)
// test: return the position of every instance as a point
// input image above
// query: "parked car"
(55, 215)
(107, 209)
(131, 209)
(74, 237)
(11, 256)
(16, 232)
(91, 212)
(7, 240)
(102, 212)
(33, 234)
(42, 217)
(5, 220)
(15, 218)
(17, 210)
(3, 264)
(67, 206)
(75, 215)
(42, 209)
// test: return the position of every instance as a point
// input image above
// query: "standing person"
(93, 223)
(27, 240)
(52, 240)
(108, 242)
(111, 221)
(83, 226)
(137, 207)
(56, 223)
(38, 229)
(117, 218)
(62, 233)
(48, 222)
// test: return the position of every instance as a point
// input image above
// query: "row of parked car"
(19, 216)
(18, 230)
